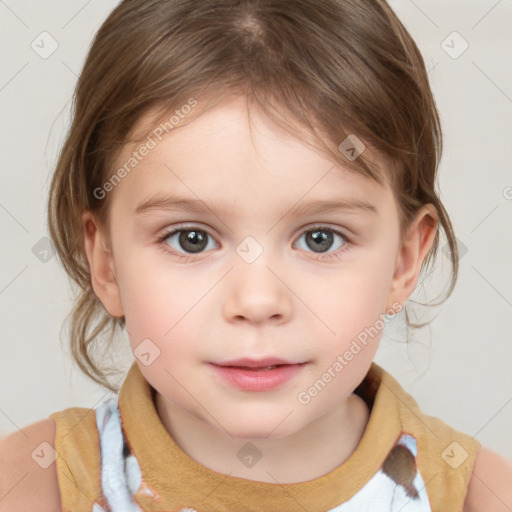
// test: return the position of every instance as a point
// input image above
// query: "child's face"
(256, 288)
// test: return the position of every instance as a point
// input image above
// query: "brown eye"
(186, 241)
(193, 241)
(321, 239)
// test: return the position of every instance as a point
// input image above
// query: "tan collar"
(180, 481)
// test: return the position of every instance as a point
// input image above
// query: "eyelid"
(348, 235)
(168, 232)
(344, 232)
(324, 225)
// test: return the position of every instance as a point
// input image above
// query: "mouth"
(268, 363)
(255, 369)
(257, 375)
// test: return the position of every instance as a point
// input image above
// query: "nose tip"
(259, 317)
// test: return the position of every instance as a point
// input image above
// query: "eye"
(320, 239)
(189, 240)
(186, 241)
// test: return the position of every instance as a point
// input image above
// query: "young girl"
(247, 188)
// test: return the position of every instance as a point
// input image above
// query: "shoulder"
(489, 486)
(28, 477)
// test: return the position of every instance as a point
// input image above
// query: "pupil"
(192, 241)
(321, 239)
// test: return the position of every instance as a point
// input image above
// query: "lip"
(255, 363)
(257, 379)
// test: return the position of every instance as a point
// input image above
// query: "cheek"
(354, 299)
(155, 299)
(354, 313)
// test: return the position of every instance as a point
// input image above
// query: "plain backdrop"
(458, 369)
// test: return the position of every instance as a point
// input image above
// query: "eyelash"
(160, 241)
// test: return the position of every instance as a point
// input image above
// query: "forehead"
(235, 153)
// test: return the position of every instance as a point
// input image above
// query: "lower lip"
(258, 380)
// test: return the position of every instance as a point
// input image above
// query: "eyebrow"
(182, 204)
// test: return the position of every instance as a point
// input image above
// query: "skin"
(214, 306)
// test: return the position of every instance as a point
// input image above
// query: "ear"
(101, 265)
(415, 246)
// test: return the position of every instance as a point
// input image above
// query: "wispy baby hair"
(322, 69)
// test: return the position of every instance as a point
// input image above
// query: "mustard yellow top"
(172, 480)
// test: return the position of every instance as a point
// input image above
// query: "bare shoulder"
(28, 477)
(490, 484)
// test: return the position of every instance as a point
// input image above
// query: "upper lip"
(255, 363)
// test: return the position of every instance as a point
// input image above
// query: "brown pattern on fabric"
(400, 466)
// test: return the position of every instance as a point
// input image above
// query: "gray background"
(458, 369)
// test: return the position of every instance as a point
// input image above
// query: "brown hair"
(323, 69)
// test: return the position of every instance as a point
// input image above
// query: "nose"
(257, 294)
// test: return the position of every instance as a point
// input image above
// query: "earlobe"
(416, 244)
(101, 265)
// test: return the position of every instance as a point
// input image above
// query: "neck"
(324, 444)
